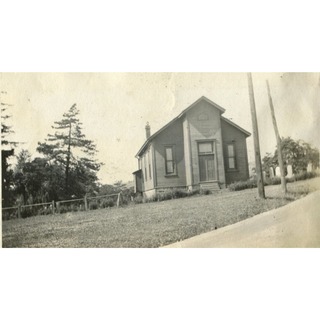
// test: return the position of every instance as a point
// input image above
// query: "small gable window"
(231, 156)
(170, 162)
(203, 117)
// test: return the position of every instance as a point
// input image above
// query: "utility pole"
(256, 139)
(276, 131)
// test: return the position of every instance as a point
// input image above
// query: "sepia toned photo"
(152, 160)
(159, 160)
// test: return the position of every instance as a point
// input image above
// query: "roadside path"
(296, 225)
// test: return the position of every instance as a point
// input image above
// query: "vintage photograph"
(160, 160)
(150, 160)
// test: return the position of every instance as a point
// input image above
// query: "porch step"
(212, 186)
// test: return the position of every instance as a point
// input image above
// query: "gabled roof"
(247, 133)
(203, 98)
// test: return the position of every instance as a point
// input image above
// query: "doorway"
(207, 165)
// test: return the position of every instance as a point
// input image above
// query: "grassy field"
(147, 225)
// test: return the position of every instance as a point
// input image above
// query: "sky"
(115, 107)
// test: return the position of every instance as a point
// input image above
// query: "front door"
(207, 167)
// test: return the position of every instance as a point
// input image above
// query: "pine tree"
(69, 148)
(7, 151)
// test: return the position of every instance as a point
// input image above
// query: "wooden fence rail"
(55, 206)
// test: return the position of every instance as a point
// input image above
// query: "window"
(170, 164)
(231, 156)
(205, 147)
(145, 167)
(149, 162)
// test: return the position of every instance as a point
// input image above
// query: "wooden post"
(58, 207)
(256, 139)
(19, 211)
(118, 200)
(52, 206)
(85, 203)
(276, 131)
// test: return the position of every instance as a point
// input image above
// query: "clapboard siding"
(148, 181)
(230, 134)
(204, 124)
(171, 136)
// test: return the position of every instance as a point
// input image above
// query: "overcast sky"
(114, 107)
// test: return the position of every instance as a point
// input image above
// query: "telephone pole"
(276, 131)
(256, 139)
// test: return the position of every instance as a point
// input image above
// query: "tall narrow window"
(149, 164)
(231, 156)
(170, 164)
(145, 167)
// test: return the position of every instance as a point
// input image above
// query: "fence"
(82, 204)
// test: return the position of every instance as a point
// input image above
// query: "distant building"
(197, 149)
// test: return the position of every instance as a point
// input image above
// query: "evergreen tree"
(7, 151)
(69, 148)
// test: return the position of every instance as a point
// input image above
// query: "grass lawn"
(147, 225)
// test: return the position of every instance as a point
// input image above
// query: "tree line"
(296, 153)
(66, 167)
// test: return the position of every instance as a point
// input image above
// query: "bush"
(138, 199)
(28, 212)
(272, 181)
(171, 194)
(179, 193)
(44, 211)
(107, 203)
(93, 205)
(206, 191)
(165, 195)
(35, 211)
(241, 185)
(194, 192)
(304, 176)
(64, 209)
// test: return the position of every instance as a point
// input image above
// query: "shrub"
(28, 212)
(138, 199)
(194, 192)
(179, 193)
(107, 203)
(64, 209)
(205, 191)
(272, 181)
(165, 195)
(93, 205)
(251, 183)
(241, 185)
(35, 211)
(44, 211)
(304, 176)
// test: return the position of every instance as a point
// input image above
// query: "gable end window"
(170, 161)
(231, 157)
